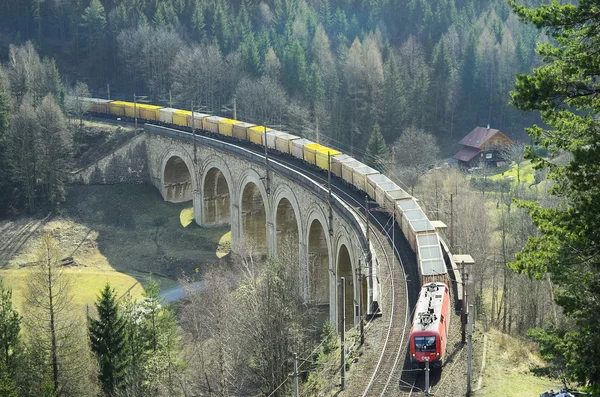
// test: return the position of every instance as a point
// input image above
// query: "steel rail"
(317, 175)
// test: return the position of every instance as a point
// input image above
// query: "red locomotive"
(429, 333)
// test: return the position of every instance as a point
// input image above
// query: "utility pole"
(108, 91)
(295, 375)
(368, 256)
(267, 160)
(360, 302)
(343, 334)
(470, 351)
(318, 130)
(367, 214)
(463, 308)
(427, 377)
(135, 113)
(170, 99)
(234, 109)
(193, 133)
(451, 223)
(329, 193)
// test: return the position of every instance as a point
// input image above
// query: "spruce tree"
(6, 166)
(566, 93)
(377, 151)
(10, 325)
(108, 340)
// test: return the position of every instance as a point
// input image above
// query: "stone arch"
(320, 273)
(178, 176)
(346, 267)
(254, 212)
(217, 191)
(287, 223)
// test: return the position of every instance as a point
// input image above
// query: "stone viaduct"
(285, 215)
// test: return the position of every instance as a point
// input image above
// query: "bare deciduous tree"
(75, 106)
(55, 335)
(415, 152)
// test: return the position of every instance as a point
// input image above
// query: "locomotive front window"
(425, 343)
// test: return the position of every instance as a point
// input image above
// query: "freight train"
(415, 225)
(429, 332)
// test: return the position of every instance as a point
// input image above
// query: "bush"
(487, 184)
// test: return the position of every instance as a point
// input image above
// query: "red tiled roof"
(478, 136)
(466, 153)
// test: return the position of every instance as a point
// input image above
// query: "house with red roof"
(482, 145)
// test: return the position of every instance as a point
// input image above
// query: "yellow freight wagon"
(212, 123)
(240, 130)
(310, 152)
(198, 121)
(96, 105)
(226, 127)
(323, 155)
(255, 134)
(148, 112)
(101, 106)
(119, 108)
(180, 117)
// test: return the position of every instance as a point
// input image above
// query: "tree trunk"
(52, 325)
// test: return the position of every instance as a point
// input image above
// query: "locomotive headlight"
(437, 355)
(414, 356)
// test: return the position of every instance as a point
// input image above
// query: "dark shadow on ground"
(139, 233)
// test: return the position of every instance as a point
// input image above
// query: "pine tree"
(109, 341)
(296, 75)
(394, 105)
(93, 24)
(10, 325)
(6, 177)
(565, 91)
(377, 152)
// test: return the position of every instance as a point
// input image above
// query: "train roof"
(379, 179)
(243, 124)
(429, 307)
(86, 99)
(430, 255)
(169, 110)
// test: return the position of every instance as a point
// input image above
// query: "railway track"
(391, 359)
(385, 378)
(403, 287)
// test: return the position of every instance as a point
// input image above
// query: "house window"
(488, 156)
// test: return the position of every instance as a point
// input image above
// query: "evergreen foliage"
(108, 339)
(6, 163)
(565, 91)
(376, 154)
(10, 326)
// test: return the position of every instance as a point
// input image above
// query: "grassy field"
(507, 369)
(85, 284)
(121, 234)
(527, 173)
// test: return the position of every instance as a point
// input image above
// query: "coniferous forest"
(405, 79)
(332, 67)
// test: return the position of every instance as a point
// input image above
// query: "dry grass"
(507, 368)
(120, 234)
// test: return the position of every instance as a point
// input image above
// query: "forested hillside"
(332, 66)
